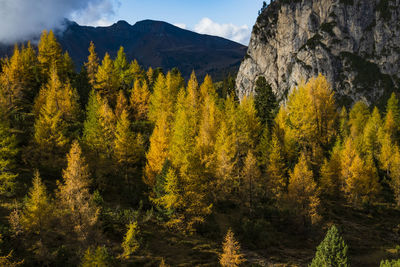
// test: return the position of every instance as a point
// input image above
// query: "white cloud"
(180, 25)
(240, 34)
(22, 20)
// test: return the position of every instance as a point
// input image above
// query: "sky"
(20, 20)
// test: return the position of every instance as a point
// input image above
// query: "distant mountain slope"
(155, 44)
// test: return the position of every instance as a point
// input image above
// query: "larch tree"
(332, 251)
(370, 134)
(158, 150)
(37, 220)
(330, 182)
(92, 65)
(121, 70)
(139, 100)
(75, 199)
(122, 104)
(128, 149)
(362, 184)
(131, 244)
(394, 106)
(251, 176)
(276, 170)
(303, 193)
(231, 256)
(8, 155)
(358, 118)
(394, 171)
(50, 52)
(106, 81)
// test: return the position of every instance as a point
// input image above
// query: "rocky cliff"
(355, 43)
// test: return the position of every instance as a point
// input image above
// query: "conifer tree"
(37, 210)
(370, 138)
(358, 117)
(276, 169)
(362, 185)
(394, 106)
(8, 153)
(330, 173)
(92, 65)
(121, 70)
(50, 52)
(134, 73)
(332, 251)
(122, 104)
(75, 199)
(158, 150)
(19, 83)
(231, 256)
(394, 170)
(251, 180)
(303, 192)
(106, 80)
(131, 244)
(390, 263)
(37, 219)
(265, 101)
(98, 257)
(57, 121)
(128, 148)
(139, 101)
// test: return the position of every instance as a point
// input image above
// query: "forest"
(116, 165)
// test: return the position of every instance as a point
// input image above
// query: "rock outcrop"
(355, 43)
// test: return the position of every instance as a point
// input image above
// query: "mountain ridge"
(154, 44)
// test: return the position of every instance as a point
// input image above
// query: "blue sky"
(232, 19)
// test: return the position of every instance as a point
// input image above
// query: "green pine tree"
(332, 251)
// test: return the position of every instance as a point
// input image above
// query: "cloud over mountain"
(240, 34)
(25, 19)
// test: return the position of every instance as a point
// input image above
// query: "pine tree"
(332, 251)
(8, 153)
(265, 101)
(75, 199)
(139, 101)
(303, 192)
(130, 245)
(231, 256)
(92, 65)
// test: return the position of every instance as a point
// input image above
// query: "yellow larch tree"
(303, 193)
(231, 256)
(92, 65)
(139, 100)
(74, 197)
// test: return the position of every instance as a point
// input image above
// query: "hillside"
(354, 43)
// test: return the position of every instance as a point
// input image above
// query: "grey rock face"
(354, 43)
